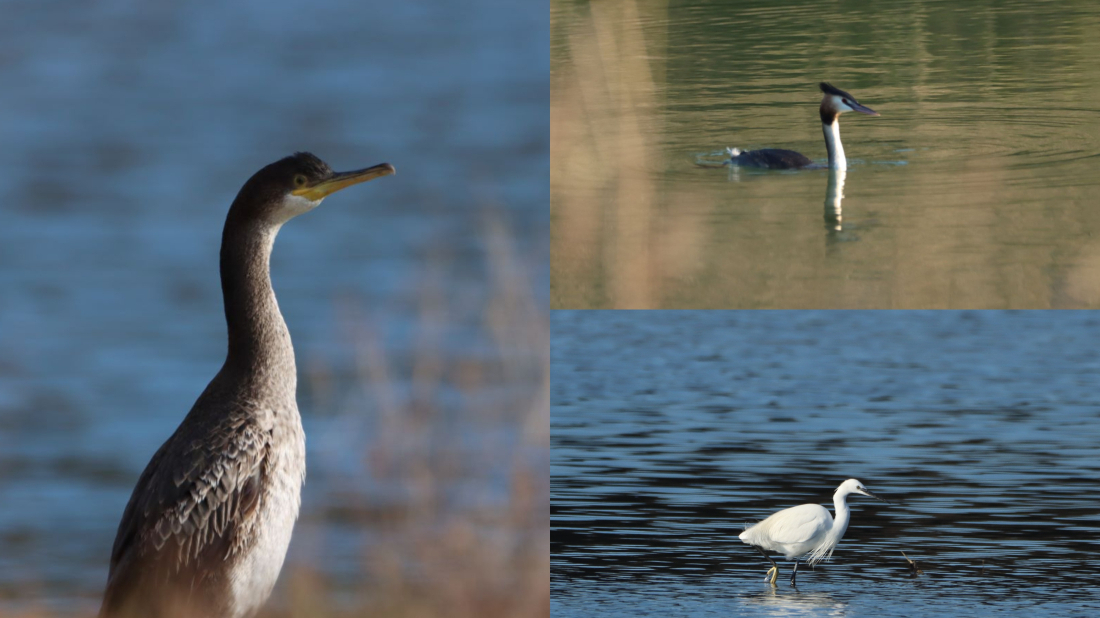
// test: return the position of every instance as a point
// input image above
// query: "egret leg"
(773, 572)
(794, 572)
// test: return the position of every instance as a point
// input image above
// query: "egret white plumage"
(804, 529)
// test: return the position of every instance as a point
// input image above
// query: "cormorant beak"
(868, 493)
(856, 107)
(342, 180)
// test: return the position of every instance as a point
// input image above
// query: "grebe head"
(836, 102)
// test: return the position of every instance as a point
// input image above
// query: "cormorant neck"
(259, 342)
(833, 145)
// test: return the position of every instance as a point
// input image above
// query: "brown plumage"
(207, 527)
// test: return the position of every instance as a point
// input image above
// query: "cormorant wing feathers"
(196, 504)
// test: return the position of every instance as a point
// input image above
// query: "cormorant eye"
(300, 180)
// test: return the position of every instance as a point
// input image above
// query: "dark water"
(127, 129)
(673, 430)
(975, 188)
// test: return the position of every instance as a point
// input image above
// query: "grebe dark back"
(834, 103)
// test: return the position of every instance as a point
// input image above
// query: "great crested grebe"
(835, 103)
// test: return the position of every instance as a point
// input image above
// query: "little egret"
(804, 529)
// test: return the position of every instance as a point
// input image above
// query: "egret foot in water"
(773, 572)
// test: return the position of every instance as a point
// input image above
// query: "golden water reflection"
(976, 188)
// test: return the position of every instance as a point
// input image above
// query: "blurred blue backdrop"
(127, 129)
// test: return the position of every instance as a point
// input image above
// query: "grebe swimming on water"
(835, 103)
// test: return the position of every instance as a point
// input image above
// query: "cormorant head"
(294, 185)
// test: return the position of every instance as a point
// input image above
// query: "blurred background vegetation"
(418, 306)
(974, 189)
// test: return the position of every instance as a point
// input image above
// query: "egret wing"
(798, 524)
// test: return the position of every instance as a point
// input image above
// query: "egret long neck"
(840, 515)
(833, 145)
(259, 342)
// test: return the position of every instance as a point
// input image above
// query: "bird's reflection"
(834, 195)
(792, 602)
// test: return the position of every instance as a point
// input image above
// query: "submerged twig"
(914, 569)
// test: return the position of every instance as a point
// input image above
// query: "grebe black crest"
(833, 104)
